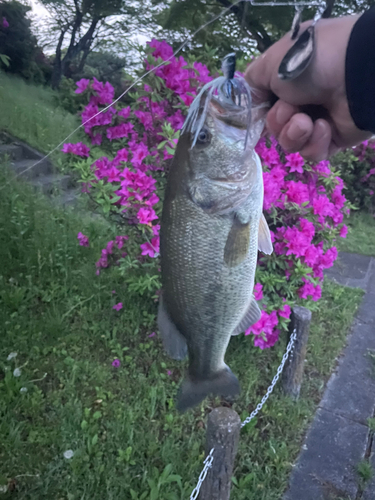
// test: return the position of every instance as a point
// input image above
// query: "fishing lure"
(227, 89)
(300, 55)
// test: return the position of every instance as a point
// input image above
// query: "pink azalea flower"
(121, 156)
(145, 118)
(139, 154)
(120, 241)
(312, 255)
(203, 72)
(272, 191)
(309, 289)
(285, 311)
(307, 228)
(116, 363)
(119, 131)
(295, 162)
(146, 215)
(297, 242)
(161, 49)
(269, 340)
(78, 149)
(82, 85)
(270, 156)
(322, 206)
(344, 231)
(323, 168)
(176, 120)
(151, 248)
(96, 139)
(118, 306)
(83, 240)
(124, 112)
(297, 192)
(156, 229)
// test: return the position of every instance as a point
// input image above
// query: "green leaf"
(5, 60)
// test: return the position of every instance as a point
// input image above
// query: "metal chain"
(209, 459)
(274, 381)
(202, 476)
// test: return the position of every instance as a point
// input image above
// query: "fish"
(212, 226)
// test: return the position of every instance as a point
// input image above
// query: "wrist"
(360, 72)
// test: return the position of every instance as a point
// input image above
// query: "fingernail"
(295, 132)
(320, 130)
(282, 115)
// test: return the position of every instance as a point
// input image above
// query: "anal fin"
(173, 341)
(237, 245)
(251, 316)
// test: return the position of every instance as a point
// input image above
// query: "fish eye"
(203, 137)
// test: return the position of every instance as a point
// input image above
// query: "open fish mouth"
(228, 102)
(232, 106)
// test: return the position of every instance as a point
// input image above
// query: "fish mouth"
(229, 179)
(229, 113)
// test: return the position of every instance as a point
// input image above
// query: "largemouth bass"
(211, 228)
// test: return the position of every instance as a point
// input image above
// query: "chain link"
(202, 476)
(209, 459)
(274, 381)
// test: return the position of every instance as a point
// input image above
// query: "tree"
(245, 28)
(17, 42)
(79, 26)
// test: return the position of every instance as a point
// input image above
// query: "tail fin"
(224, 383)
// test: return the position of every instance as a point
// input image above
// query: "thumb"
(259, 76)
(258, 73)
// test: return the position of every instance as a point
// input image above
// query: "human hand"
(312, 113)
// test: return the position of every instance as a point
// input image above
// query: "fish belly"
(205, 298)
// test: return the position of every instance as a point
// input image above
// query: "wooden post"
(293, 370)
(223, 433)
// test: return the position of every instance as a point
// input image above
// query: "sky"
(40, 13)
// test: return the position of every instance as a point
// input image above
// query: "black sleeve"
(360, 72)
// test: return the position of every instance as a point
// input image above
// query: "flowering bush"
(124, 172)
(357, 167)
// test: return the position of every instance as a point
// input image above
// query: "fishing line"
(163, 63)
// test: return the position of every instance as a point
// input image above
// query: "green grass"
(29, 112)
(361, 234)
(128, 440)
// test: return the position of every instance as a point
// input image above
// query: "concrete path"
(339, 437)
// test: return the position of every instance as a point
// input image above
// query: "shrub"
(18, 43)
(125, 170)
(357, 167)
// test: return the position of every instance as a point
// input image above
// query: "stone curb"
(339, 437)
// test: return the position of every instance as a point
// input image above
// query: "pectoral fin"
(251, 316)
(237, 245)
(173, 341)
(264, 237)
